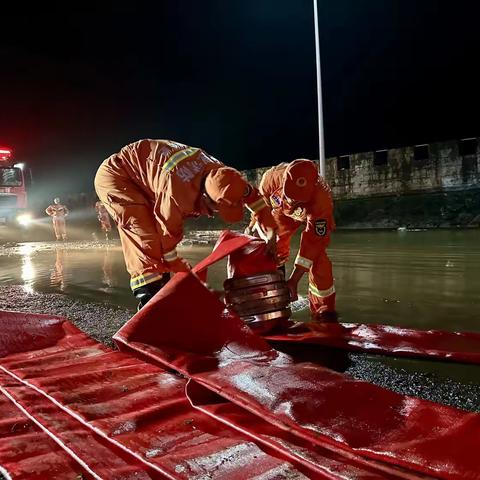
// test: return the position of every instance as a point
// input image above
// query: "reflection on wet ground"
(417, 279)
(95, 274)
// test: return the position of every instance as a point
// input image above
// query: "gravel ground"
(101, 321)
(416, 384)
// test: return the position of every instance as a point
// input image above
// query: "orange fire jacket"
(57, 210)
(171, 174)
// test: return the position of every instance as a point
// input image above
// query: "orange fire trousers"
(138, 229)
(59, 227)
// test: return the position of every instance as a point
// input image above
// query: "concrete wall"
(445, 169)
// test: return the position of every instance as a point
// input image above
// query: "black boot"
(146, 293)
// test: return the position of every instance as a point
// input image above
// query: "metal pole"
(321, 140)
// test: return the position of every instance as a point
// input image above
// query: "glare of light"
(28, 272)
(5, 153)
(26, 249)
(21, 166)
(25, 219)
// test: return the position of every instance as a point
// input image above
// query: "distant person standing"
(103, 218)
(58, 212)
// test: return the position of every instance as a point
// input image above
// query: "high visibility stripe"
(321, 293)
(303, 262)
(257, 205)
(143, 280)
(178, 157)
(170, 256)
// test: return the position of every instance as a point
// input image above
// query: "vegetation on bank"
(452, 209)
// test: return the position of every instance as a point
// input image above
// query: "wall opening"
(467, 146)
(380, 158)
(421, 153)
(343, 162)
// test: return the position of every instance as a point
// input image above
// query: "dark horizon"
(237, 80)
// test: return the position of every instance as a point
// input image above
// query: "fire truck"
(14, 179)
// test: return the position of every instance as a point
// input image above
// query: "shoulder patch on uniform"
(275, 201)
(321, 227)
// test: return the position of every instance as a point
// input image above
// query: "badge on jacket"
(275, 201)
(321, 227)
(299, 214)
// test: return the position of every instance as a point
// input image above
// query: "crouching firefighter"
(299, 196)
(151, 186)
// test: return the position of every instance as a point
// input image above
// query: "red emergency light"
(5, 153)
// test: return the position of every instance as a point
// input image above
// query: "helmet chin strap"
(290, 202)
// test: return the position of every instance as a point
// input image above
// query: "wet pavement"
(417, 279)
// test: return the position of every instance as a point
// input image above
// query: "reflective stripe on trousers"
(320, 293)
(142, 280)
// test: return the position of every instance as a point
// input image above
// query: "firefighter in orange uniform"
(299, 196)
(103, 218)
(151, 186)
(58, 212)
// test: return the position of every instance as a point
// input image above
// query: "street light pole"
(321, 139)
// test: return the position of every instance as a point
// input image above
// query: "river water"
(427, 279)
(420, 279)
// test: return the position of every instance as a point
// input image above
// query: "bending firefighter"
(151, 186)
(299, 196)
(58, 212)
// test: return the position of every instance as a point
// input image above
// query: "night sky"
(235, 77)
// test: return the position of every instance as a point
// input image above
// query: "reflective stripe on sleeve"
(303, 262)
(257, 205)
(178, 157)
(142, 280)
(321, 293)
(171, 256)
